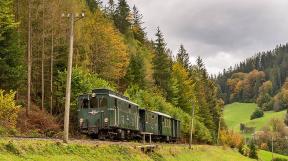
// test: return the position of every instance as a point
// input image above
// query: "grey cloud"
(208, 27)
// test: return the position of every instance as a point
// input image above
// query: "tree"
(136, 71)
(183, 57)
(253, 150)
(264, 100)
(122, 17)
(11, 55)
(138, 30)
(161, 61)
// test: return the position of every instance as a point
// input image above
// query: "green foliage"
(121, 18)
(264, 100)
(162, 63)
(183, 57)
(8, 109)
(257, 114)
(136, 70)
(279, 159)
(281, 99)
(152, 100)
(253, 150)
(82, 82)
(11, 73)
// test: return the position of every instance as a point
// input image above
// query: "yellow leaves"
(104, 48)
(8, 109)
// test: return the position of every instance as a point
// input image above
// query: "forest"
(111, 50)
(262, 79)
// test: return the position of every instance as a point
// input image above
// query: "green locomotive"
(106, 114)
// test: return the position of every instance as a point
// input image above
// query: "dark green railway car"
(176, 133)
(148, 122)
(164, 126)
(105, 113)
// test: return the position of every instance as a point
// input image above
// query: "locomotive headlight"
(81, 120)
(106, 120)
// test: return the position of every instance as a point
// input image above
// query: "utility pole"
(272, 147)
(219, 127)
(69, 75)
(51, 68)
(191, 126)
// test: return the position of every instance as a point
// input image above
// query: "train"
(105, 114)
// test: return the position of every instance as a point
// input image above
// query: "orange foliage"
(230, 138)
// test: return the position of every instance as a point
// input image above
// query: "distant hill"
(273, 63)
(237, 113)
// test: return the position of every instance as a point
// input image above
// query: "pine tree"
(137, 23)
(183, 57)
(94, 4)
(136, 71)
(162, 63)
(122, 17)
(10, 50)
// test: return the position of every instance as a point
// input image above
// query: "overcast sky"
(222, 32)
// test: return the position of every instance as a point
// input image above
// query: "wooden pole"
(191, 127)
(51, 68)
(68, 82)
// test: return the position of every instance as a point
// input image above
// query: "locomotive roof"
(108, 91)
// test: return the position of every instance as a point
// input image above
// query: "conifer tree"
(122, 17)
(11, 70)
(136, 71)
(161, 62)
(183, 57)
(137, 23)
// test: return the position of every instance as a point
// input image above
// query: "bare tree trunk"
(51, 67)
(29, 60)
(43, 57)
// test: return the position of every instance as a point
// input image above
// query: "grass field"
(41, 150)
(267, 156)
(237, 113)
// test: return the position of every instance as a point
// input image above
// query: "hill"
(27, 149)
(237, 113)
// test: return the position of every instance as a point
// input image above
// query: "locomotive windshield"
(98, 102)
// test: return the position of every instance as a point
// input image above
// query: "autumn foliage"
(231, 138)
(8, 109)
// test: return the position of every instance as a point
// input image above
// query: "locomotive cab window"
(94, 102)
(103, 102)
(85, 103)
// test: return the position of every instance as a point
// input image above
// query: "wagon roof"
(162, 114)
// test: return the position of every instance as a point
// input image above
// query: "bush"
(253, 150)
(8, 109)
(231, 139)
(257, 114)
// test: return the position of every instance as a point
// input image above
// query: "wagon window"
(115, 102)
(85, 103)
(103, 102)
(94, 102)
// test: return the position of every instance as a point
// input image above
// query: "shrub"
(8, 109)
(230, 138)
(253, 150)
(257, 114)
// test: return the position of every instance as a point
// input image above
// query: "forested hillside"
(261, 79)
(111, 50)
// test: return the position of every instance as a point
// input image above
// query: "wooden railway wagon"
(106, 114)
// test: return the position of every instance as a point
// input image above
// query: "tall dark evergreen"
(94, 4)
(138, 30)
(161, 62)
(122, 17)
(11, 68)
(136, 71)
(183, 57)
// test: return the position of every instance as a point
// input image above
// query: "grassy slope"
(48, 150)
(237, 113)
(267, 156)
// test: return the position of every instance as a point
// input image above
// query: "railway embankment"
(45, 149)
